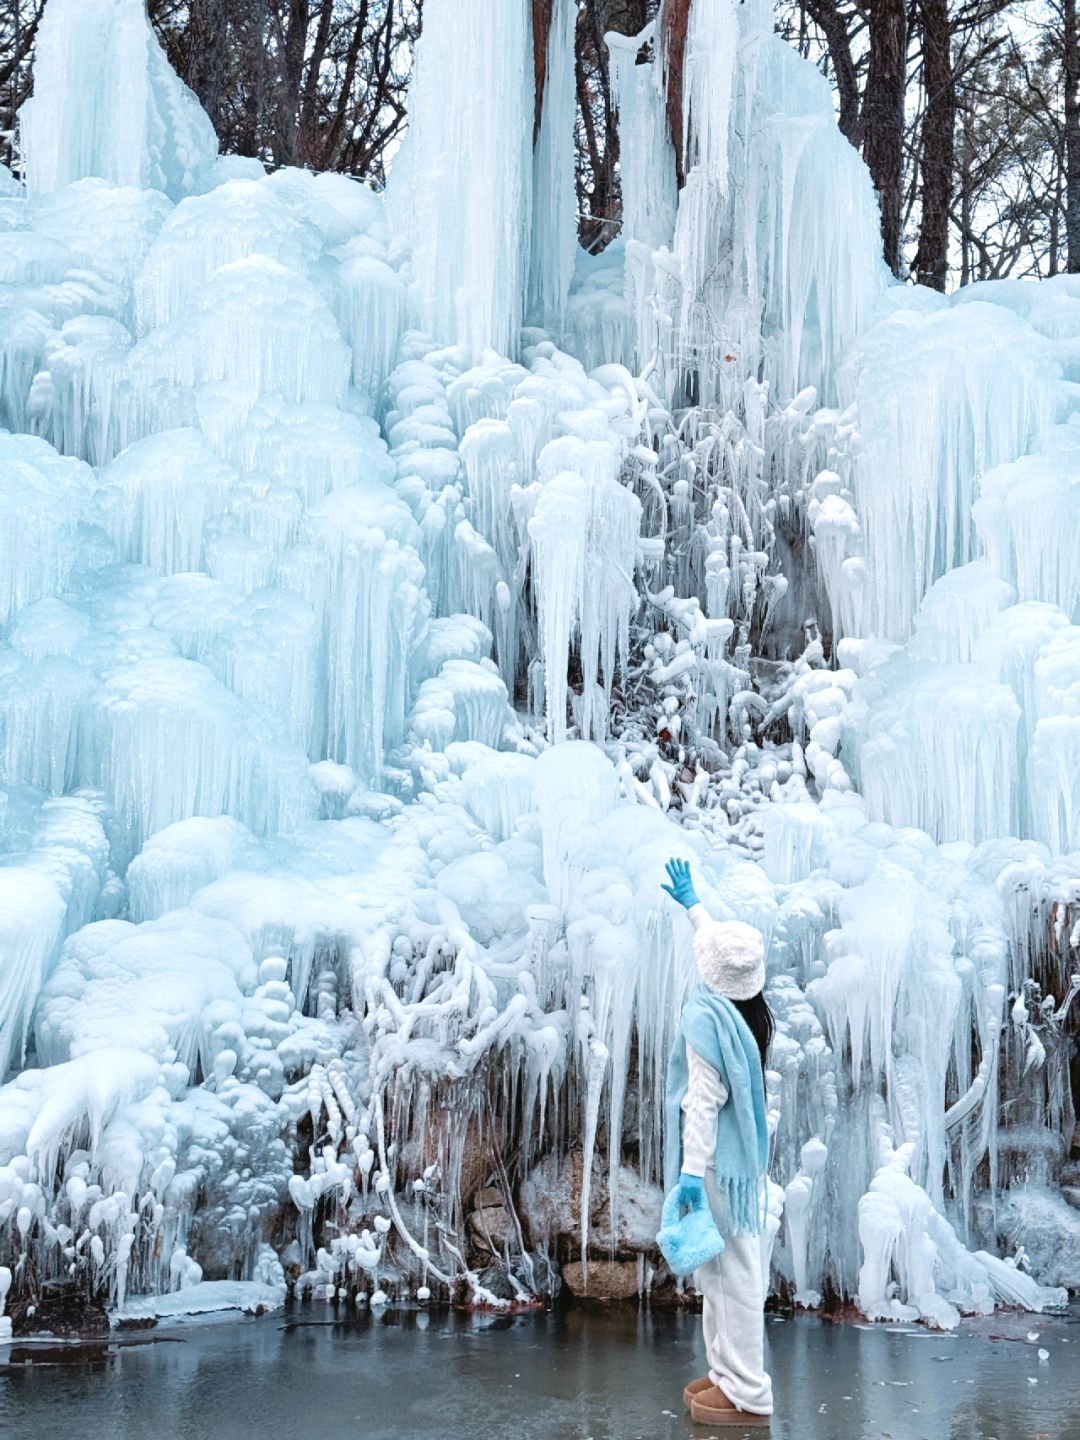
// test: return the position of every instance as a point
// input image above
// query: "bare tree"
(1071, 78)
(937, 143)
(969, 123)
(841, 30)
(208, 35)
(18, 29)
(883, 118)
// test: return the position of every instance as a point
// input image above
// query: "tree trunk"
(834, 26)
(938, 144)
(965, 199)
(542, 11)
(292, 40)
(1072, 136)
(883, 118)
(308, 138)
(208, 26)
(253, 51)
(674, 23)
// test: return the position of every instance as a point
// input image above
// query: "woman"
(716, 1089)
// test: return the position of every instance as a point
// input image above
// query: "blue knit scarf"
(713, 1027)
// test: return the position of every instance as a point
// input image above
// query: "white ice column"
(646, 154)
(554, 230)
(461, 190)
(107, 103)
(647, 172)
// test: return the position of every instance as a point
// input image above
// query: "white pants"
(732, 1288)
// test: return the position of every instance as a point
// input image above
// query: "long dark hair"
(759, 1019)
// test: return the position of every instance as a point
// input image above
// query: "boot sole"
(706, 1415)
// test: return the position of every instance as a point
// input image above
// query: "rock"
(292, 1261)
(1040, 1220)
(478, 1156)
(540, 1275)
(60, 1310)
(495, 1279)
(479, 1144)
(639, 1207)
(549, 1204)
(493, 1228)
(549, 1201)
(487, 1198)
(607, 1280)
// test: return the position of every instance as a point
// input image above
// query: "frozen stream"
(609, 1377)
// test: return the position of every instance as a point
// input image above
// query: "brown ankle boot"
(712, 1407)
(695, 1388)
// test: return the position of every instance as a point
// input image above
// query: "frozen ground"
(540, 1377)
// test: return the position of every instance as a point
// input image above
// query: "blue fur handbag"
(690, 1240)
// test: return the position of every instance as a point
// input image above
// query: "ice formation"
(366, 649)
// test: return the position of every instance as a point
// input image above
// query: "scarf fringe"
(744, 1204)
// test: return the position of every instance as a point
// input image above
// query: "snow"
(366, 650)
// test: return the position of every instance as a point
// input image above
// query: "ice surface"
(43, 497)
(583, 533)
(1027, 514)
(364, 654)
(205, 232)
(936, 747)
(207, 1297)
(1003, 387)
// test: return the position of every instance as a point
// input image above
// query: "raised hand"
(681, 887)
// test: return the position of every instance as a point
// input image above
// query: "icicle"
(583, 536)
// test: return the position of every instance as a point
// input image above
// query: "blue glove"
(691, 1191)
(681, 887)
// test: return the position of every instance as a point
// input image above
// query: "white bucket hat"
(730, 958)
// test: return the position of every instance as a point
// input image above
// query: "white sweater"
(705, 1094)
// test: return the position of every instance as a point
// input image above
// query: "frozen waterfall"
(388, 589)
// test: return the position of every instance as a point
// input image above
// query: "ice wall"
(363, 657)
